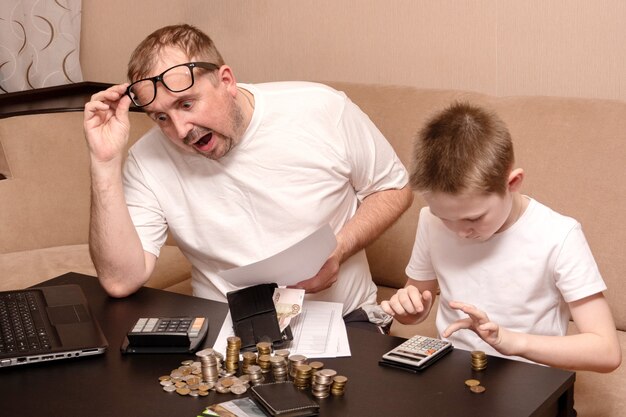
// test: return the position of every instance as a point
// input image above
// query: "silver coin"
(238, 389)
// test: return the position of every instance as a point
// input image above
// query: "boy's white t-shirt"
(522, 278)
(307, 158)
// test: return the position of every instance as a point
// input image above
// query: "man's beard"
(229, 142)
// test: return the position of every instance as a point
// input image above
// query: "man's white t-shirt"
(307, 159)
(522, 278)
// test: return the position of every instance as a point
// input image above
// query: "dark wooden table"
(119, 385)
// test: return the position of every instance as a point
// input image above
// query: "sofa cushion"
(45, 200)
(26, 268)
(600, 395)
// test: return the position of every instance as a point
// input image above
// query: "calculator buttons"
(418, 351)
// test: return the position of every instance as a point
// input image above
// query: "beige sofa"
(573, 151)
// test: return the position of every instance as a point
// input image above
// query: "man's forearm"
(114, 245)
(376, 214)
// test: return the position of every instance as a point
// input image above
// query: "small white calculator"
(417, 352)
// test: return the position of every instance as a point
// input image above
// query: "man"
(235, 172)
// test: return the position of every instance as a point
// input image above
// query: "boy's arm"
(412, 304)
(594, 348)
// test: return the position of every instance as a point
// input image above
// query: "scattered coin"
(238, 389)
(478, 389)
(472, 382)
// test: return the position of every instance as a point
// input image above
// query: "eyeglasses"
(176, 79)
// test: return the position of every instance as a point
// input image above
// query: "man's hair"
(462, 148)
(195, 43)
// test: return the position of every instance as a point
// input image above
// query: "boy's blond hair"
(190, 39)
(462, 148)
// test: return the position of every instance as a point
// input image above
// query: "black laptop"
(47, 323)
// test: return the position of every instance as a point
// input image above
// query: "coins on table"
(210, 372)
(479, 360)
(479, 363)
(478, 389)
(338, 386)
(474, 386)
(472, 382)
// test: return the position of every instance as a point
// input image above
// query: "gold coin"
(183, 391)
(340, 379)
(478, 389)
(472, 382)
(227, 382)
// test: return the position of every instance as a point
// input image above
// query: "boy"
(508, 268)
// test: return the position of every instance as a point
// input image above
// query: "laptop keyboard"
(22, 328)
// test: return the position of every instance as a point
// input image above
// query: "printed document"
(318, 332)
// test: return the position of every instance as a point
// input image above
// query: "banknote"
(288, 302)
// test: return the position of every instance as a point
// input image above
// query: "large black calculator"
(166, 335)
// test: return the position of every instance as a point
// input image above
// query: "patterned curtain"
(39, 43)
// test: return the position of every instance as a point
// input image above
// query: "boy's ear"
(516, 178)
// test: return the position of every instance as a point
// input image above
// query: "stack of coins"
(279, 368)
(264, 348)
(316, 365)
(295, 360)
(255, 375)
(232, 354)
(282, 352)
(303, 375)
(209, 365)
(248, 358)
(479, 360)
(338, 386)
(264, 362)
(322, 380)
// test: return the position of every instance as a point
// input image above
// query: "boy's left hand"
(478, 322)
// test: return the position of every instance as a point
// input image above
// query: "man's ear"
(227, 78)
(516, 178)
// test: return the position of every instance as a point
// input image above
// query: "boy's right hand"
(408, 305)
(106, 123)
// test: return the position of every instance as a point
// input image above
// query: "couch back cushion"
(44, 202)
(572, 150)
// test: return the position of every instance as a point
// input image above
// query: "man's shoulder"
(300, 88)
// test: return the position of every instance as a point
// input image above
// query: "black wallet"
(283, 399)
(254, 316)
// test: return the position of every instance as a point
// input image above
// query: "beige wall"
(506, 47)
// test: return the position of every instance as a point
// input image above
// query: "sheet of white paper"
(296, 263)
(318, 332)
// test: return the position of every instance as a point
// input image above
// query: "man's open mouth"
(203, 141)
